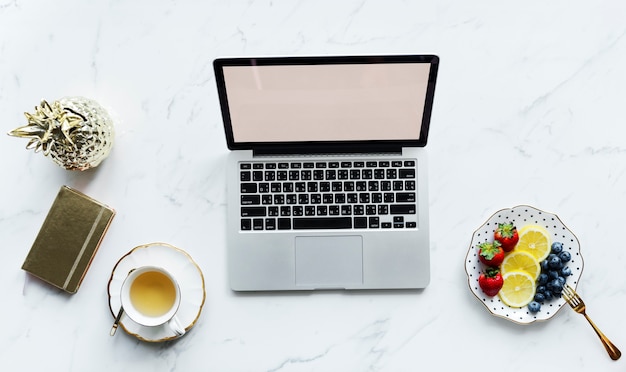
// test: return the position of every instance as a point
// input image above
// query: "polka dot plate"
(520, 216)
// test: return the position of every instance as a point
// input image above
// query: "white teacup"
(150, 297)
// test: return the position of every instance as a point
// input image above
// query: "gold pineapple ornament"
(76, 132)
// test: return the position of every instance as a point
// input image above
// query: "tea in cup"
(150, 297)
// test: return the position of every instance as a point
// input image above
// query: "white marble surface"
(529, 109)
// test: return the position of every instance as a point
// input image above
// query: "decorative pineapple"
(76, 132)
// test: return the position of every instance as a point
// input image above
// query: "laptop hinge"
(325, 150)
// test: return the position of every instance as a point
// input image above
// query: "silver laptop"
(327, 174)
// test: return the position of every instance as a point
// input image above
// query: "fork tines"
(570, 295)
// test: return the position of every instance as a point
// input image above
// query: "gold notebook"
(68, 239)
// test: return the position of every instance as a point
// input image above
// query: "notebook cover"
(68, 239)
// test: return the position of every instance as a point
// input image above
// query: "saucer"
(182, 267)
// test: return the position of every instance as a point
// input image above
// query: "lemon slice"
(535, 240)
(521, 261)
(518, 289)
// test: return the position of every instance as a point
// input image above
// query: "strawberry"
(506, 234)
(491, 254)
(491, 281)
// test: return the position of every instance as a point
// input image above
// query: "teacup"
(150, 297)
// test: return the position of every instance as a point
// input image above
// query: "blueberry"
(566, 271)
(561, 280)
(555, 286)
(553, 274)
(557, 247)
(534, 306)
(555, 262)
(543, 278)
(542, 289)
(544, 265)
(565, 256)
(549, 296)
(540, 297)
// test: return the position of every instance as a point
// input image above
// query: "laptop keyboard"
(328, 195)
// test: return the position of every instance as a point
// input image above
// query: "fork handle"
(613, 351)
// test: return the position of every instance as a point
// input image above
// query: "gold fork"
(574, 300)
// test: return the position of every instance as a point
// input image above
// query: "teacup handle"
(175, 326)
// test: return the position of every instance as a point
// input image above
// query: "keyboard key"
(405, 197)
(406, 173)
(360, 222)
(279, 199)
(253, 211)
(245, 166)
(374, 222)
(257, 224)
(246, 224)
(322, 210)
(250, 199)
(245, 176)
(248, 188)
(316, 198)
(402, 209)
(322, 223)
(270, 224)
(284, 224)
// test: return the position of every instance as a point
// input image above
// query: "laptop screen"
(304, 101)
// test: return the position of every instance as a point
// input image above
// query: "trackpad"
(329, 261)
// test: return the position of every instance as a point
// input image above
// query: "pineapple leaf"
(27, 131)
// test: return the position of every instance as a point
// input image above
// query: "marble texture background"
(530, 108)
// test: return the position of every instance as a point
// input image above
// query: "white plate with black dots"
(521, 216)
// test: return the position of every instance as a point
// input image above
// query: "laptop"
(327, 173)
